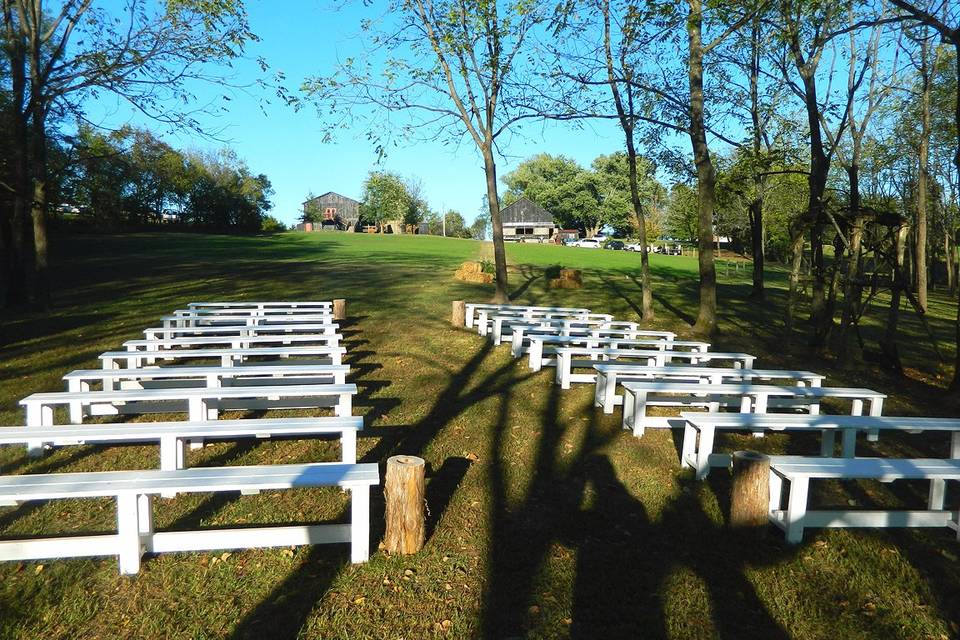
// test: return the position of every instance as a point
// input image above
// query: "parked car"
(590, 243)
(615, 245)
(634, 246)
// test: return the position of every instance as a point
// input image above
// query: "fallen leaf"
(359, 600)
(38, 569)
(225, 555)
(472, 457)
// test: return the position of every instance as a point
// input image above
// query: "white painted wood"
(288, 372)
(692, 394)
(227, 357)
(326, 328)
(849, 426)
(200, 403)
(799, 471)
(568, 358)
(279, 304)
(473, 308)
(135, 532)
(232, 342)
(610, 373)
(172, 435)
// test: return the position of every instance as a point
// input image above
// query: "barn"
(331, 211)
(526, 221)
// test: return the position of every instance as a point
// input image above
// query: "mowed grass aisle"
(546, 520)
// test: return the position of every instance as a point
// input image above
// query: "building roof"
(330, 193)
(526, 211)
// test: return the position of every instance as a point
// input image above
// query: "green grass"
(546, 520)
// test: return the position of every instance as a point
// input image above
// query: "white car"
(590, 243)
(634, 246)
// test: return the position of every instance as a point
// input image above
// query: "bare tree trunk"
(19, 252)
(501, 295)
(890, 353)
(755, 211)
(955, 385)
(796, 263)
(949, 250)
(706, 176)
(647, 293)
(920, 254)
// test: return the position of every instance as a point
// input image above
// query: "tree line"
(54, 56)
(827, 129)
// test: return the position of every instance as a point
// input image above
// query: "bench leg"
(828, 441)
(348, 446)
(704, 449)
(797, 509)
(627, 420)
(128, 534)
(359, 524)
(344, 405)
(689, 448)
(639, 413)
(776, 491)
(938, 491)
(609, 393)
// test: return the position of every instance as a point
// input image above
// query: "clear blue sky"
(304, 38)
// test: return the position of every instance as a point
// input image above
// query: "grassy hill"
(546, 520)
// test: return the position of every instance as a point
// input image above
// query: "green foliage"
(272, 225)
(131, 177)
(387, 197)
(682, 212)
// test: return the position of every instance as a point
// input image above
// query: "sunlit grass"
(546, 519)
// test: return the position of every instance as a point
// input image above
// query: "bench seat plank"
(134, 492)
(799, 471)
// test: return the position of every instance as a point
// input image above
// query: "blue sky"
(307, 37)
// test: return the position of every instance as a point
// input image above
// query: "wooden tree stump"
(339, 309)
(405, 492)
(750, 491)
(459, 315)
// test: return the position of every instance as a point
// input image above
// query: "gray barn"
(334, 210)
(525, 220)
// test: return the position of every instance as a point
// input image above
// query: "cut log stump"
(750, 492)
(339, 309)
(458, 316)
(405, 491)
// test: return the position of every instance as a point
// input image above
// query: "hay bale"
(473, 272)
(567, 279)
(574, 275)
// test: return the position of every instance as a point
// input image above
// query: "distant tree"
(272, 225)
(683, 212)
(612, 176)
(479, 228)
(145, 55)
(562, 187)
(384, 197)
(459, 69)
(456, 226)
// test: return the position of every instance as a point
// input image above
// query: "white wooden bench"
(226, 357)
(296, 304)
(110, 379)
(700, 432)
(232, 342)
(134, 492)
(171, 436)
(799, 471)
(484, 319)
(254, 311)
(326, 328)
(544, 349)
(570, 358)
(472, 309)
(202, 319)
(749, 398)
(199, 403)
(609, 374)
(501, 326)
(522, 334)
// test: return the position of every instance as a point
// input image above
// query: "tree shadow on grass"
(624, 560)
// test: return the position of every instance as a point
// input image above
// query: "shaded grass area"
(546, 520)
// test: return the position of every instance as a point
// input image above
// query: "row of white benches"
(305, 377)
(658, 370)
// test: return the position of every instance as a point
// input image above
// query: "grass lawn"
(546, 520)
